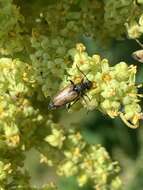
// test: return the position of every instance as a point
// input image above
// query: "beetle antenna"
(140, 44)
(81, 71)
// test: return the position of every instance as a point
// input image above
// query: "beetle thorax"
(81, 87)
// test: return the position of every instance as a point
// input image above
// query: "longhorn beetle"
(138, 55)
(71, 93)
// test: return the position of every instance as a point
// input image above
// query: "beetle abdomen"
(65, 96)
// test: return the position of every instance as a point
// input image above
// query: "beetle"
(138, 55)
(71, 93)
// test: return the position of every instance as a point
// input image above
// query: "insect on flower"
(138, 55)
(71, 93)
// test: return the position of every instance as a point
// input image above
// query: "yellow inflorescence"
(112, 86)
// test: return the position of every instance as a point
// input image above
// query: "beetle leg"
(86, 102)
(69, 105)
(82, 80)
(69, 80)
(84, 99)
(72, 82)
(87, 97)
(84, 94)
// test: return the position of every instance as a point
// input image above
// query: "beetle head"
(51, 106)
(88, 84)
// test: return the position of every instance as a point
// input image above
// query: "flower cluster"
(135, 28)
(112, 87)
(114, 90)
(17, 118)
(88, 163)
(49, 62)
(50, 186)
(17, 90)
(11, 40)
(117, 13)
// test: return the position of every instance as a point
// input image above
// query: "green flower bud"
(106, 104)
(121, 71)
(82, 180)
(131, 110)
(105, 66)
(11, 130)
(127, 100)
(56, 138)
(5, 169)
(140, 1)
